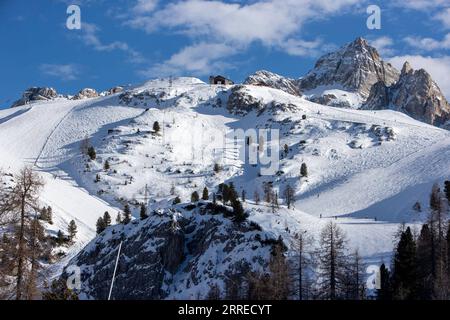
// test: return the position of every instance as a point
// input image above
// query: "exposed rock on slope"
(172, 255)
(36, 94)
(355, 67)
(269, 79)
(415, 94)
(86, 93)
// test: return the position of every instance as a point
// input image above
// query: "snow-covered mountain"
(415, 94)
(367, 169)
(273, 80)
(356, 67)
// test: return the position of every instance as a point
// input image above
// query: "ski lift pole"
(115, 269)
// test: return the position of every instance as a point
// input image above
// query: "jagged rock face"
(272, 80)
(170, 255)
(36, 94)
(241, 102)
(415, 94)
(355, 67)
(86, 93)
(115, 90)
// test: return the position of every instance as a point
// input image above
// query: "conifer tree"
(177, 200)
(238, 211)
(384, 292)
(156, 127)
(256, 197)
(118, 218)
(303, 170)
(107, 219)
(91, 153)
(332, 261)
(106, 165)
(288, 195)
(126, 214)
(72, 230)
(205, 194)
(143, 212)
(425, 263)
(405, 268)
(195, 197)
(100, 225)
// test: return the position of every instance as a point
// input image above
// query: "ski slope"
(363, 165)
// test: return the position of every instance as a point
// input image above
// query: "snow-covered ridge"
(363, 164)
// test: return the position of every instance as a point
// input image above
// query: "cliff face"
(272, 80)
(415, 94)
(177, 253)
(356, 67)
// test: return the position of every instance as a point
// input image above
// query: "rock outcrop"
(36, 94)
(356, 68)
(85, 94)
(415, 94)
(176, 253)
(273, 80)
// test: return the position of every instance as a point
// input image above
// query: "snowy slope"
(362, 164)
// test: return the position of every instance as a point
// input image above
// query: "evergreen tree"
(100, 225)
(126, 214)
(238, 211)
(177, 200)
(405, 268)
(118, 218)
(143, 212)
(205, 195)
(286, 149)
(256, 197)
(49, 215)
(97, 178)
(72, 230)
(303, 170)
(425, 263)
(91, 153)
(243, 194)
(289, 195)
(60, 238)
(332, 261)
(107, 219)
(156, 127)
(384, 292)
(195, 197)
(106, 165)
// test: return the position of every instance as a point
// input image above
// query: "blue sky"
(122, 42)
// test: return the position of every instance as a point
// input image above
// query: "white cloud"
(145, 6)
(444, 18)
(271, 22)
(90, 38)
(428, 44)
(420, 4)
(63, 71)
(439, 68)
(220, 29)
(383, 45)
(199, 59)
(296, 47)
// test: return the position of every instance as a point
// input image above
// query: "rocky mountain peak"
(355, 67)
(406, 68)
(273, 80)
(36, 94)
(415, 94)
